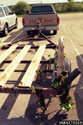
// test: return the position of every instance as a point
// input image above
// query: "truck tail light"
(23, 21)
(58, 20)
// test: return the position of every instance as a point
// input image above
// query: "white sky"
(12, 2)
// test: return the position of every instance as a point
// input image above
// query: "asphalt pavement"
(23, 109)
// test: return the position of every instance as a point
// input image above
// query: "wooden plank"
(4, 76)
(31, 71)
(7, 53)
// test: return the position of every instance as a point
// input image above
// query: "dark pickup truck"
(44, 14)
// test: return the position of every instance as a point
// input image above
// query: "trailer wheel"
(68, 65)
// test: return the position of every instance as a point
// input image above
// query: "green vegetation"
(70, 6)
(20, 8)
(70, 0)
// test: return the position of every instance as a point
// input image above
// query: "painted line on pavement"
(81, 59)
(76, 50)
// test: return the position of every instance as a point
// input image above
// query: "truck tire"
(31, 33)
(5, 31)
(55, 32)
(16, 24)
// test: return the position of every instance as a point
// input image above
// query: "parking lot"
(22, 109)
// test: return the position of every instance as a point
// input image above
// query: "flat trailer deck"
(27, 80)
(25, 84)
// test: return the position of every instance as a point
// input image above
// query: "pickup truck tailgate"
(48, 19)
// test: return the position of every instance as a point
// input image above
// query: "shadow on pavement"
(10, 100)
(52, 114)
(12, 35)
(34, 115)
(79, 89)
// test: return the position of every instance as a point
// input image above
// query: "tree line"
(70, 6)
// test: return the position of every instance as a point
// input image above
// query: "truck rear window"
(42, 9)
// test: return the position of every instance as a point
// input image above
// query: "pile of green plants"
(62, 87)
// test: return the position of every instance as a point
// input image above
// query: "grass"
(70, 12)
